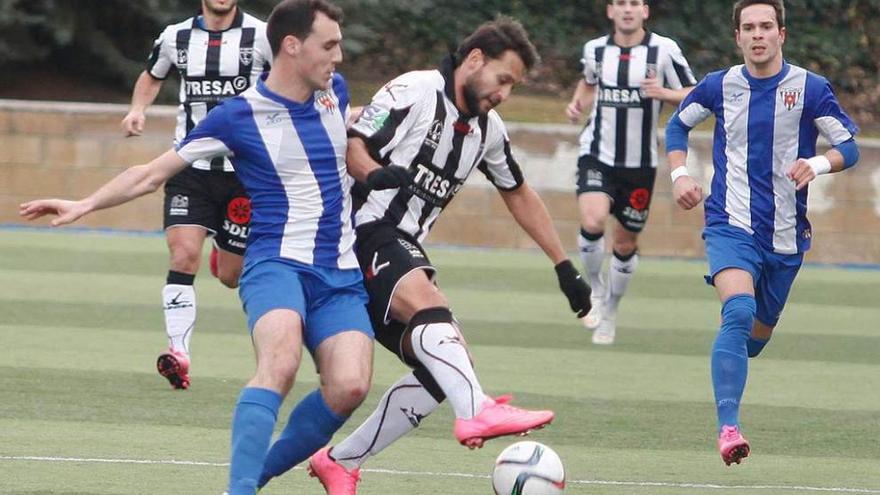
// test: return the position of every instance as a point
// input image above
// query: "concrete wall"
(68, 150)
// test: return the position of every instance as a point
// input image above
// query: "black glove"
(388, 177)
(573, 286)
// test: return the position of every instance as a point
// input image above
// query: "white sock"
(592, 256)
(441, 349)
(399, 412)
(619, 274)
(179, 302)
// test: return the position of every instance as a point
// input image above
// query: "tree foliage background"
(108, 40)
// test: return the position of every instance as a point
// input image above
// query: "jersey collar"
(447, 69)
(766, 81)
(199, 21)
(645, 40)
(290, 104)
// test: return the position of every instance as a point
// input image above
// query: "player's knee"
(738, 313)
(229, 279)
(344, 396)
(276, 375)
(624, 248)
(593, 224)
(184, 259)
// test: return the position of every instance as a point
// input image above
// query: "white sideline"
(661, 484)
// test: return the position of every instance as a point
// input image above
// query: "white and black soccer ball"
(528, 468)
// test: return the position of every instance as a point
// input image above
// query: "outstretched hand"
(66, 211)
(573, 286)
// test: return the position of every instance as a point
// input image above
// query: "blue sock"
(755, 346)
(311, 426)
(252, 425)
(730, 361)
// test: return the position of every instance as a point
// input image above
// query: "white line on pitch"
(661, 484)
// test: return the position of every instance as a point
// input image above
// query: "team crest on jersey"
(432, 140)
(650, 71)
(246, 55)
(182, 57)
(790, 97)
(324, 100)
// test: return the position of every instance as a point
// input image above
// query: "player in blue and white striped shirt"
(768, 115)
(301, 281)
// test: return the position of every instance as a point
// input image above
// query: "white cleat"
(594, 317)
(604, 334)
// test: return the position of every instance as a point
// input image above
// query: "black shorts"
(386, 255)
(630, 189)
(213, 200)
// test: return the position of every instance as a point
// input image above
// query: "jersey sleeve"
(160, 60)
(498, 163)
(677, 73)
(588, 61)
(830, 119)
(699, 103)
(393, 111)
(212, 137)
(262, 54)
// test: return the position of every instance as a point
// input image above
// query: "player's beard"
(472, 96)
(219, 11)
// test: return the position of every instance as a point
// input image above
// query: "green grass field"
(82, 410)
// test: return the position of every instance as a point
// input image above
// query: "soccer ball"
(528, 468)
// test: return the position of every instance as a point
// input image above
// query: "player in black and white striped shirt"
(628, 75)
(218, 54)
(414, 146)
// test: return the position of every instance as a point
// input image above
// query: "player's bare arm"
(652, 88)
(581, 101)
(686, 191)
(531, 214)
(365, 169)
(132, 183)
(145, 91)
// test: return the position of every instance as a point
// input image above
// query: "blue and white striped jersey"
(290, 157)
(762, 127)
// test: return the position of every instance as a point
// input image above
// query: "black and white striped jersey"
(622, 128)
(213, 66)
(413, 122)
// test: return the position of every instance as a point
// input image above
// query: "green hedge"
(109, 39)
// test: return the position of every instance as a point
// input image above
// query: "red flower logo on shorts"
(639, 198)
(239, 210)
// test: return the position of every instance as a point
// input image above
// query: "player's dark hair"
(295, 18)
(778, 6)
(496, 37)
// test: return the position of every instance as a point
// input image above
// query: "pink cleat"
(213, 262)
(174, 365)
(334, 477)
(733, 446)
(498, 419)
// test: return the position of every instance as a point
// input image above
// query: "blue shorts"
(328, 300)
(773, 274)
